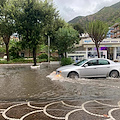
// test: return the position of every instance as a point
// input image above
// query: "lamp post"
(48, 49)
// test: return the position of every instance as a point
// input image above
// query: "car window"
(92, 63)
(80, 62)
(103, 62)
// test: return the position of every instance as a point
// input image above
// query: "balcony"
(118, 34)
(118, 28)
(114, 36)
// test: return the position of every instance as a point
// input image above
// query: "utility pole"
(48, 49)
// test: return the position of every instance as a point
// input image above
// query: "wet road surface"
(27, 94)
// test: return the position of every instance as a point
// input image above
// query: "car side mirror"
(85, 65)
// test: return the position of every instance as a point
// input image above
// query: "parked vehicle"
(96, 67)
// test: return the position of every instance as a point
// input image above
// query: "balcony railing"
(115, 30)
(118, 34)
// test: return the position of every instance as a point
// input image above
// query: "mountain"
(110, 15)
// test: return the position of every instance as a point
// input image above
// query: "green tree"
(66, 38)
(51, 31)
(6, 23)
(78, 27)
(32, 18)
(97, 30)
(2, 46)
(15, 48)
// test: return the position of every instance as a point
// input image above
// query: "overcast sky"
(70, 9)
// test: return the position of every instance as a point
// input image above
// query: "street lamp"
(48, 49)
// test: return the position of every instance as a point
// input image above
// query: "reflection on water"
(23, 83)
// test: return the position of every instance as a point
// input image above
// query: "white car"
(96, 67)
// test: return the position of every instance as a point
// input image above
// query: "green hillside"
(110, 15)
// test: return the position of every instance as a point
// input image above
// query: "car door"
(89, 69)
(103, 67)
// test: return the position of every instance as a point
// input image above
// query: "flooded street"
(39, 94)
(21, 83)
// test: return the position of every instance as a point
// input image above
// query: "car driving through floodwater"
(96, 67)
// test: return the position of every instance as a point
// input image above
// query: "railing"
(118, 34)
(115, 30)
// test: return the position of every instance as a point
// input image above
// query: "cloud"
(70, 9)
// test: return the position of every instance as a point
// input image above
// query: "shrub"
(43, 56)
(42, 60)
(54, 58)
(66, 61)
(21, 60)
(5, 62)
(18, 60)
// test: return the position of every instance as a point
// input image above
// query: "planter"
(35, 67)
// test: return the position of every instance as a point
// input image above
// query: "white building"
(109, 48)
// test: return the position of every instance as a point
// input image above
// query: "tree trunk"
(7, 51)
(34, 56)
(29, 52)
(65, 55)
(62, 56)
(97, 47)
(6, 40)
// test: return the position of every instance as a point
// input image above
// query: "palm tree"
(97, 30)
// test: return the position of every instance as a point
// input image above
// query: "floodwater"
(21, 83)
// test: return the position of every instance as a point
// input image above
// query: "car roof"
(99, 59)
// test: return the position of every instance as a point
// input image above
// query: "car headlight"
(58, 72)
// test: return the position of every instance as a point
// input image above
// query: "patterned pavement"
(61, 110)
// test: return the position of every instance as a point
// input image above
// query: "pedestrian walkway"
(51, 62)
(61, 110)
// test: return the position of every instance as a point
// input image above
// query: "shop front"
(109, 48)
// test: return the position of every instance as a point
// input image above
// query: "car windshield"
(80, 62)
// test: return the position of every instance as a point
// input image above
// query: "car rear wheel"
(114, 74)
(73, 75)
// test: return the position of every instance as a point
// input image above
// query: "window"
(89, 49)
(80, 62)
(92, 63)
(103, 62)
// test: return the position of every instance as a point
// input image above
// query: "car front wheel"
(73, 75)
(114, 74)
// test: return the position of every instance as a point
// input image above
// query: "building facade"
(116, 30)
(109, 47)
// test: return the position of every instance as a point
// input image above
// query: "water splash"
(101, 82)
(53, 76)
